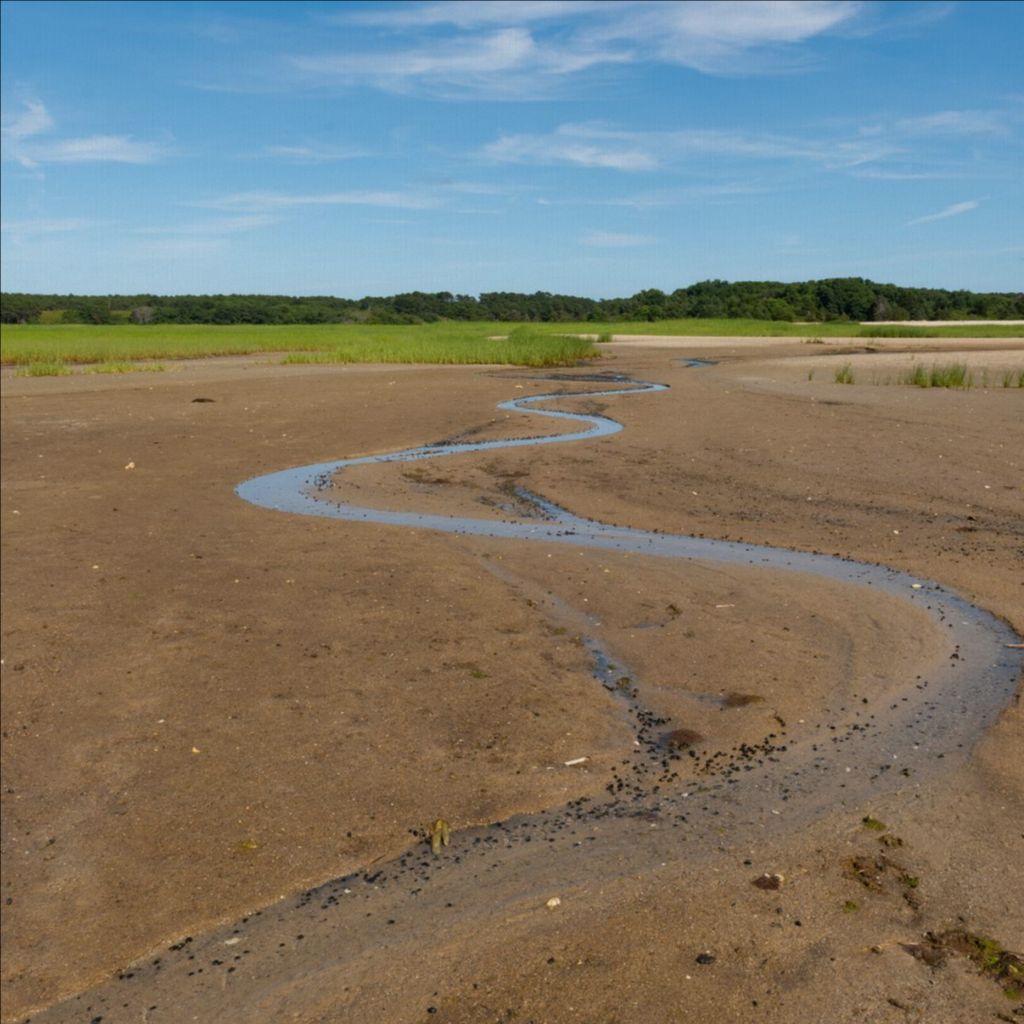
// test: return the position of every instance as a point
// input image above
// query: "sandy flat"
(209, 707)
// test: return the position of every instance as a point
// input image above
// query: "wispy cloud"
(33, 120)
(663, 197)
(590, 145)
(507, 63)
(472, 15)
(121, 149)
(614, 240)
(266, 201)
(315, 153)
(950, 211)
(724, 36)
(955, 122)
(525, 50)
(21, 144)
(50, 226)
(583, 145)
(214, 226)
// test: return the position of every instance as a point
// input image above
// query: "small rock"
(131, 465)
(705, 958)
(555, 901)
(769, 882)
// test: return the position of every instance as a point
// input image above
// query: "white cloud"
(121, 149)
(265, 201)
(500, 64)
(590, 145)
(216, 226)
(665, 197)
(576, 144)
(522, 49)
(315, 153)
(717, 36)
(33, 120)
(52, 226)
(469, 15)
(950, 211)
(21, 144)
(955, 122)
(614, 240)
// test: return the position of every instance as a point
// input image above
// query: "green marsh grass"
(844, 374)
(440, 342)
(522, 347)
(26, 344)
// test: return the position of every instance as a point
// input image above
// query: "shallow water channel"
(661, 804)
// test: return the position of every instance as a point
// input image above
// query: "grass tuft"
(939, 375)
(125, 366)
(844, 375)
(43, 370)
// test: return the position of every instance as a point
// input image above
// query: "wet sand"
(356, 683)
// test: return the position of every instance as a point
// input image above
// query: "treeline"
(844, 299)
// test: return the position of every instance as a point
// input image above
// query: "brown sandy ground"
(207, 705)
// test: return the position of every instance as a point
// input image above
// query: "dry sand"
(208, 706)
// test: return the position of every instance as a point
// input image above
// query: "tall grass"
(126, 367)
(428, 343)
(522, 347)
(844, 374)
(41, 369)
(83, 343)
(947, 375)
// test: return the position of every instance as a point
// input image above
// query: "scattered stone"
(204, 399)
(933, 956)
(705, 958)
(555, 901)
(769, 882)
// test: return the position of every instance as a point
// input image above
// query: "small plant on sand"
(844, 375)
(1013, 379)
(126, 367)
(948, 375)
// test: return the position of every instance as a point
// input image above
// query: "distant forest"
(844, 299)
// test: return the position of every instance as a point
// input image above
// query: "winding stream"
(661, 805)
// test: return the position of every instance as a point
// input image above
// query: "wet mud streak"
(663, 802)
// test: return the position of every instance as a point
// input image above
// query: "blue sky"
(577, 147)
